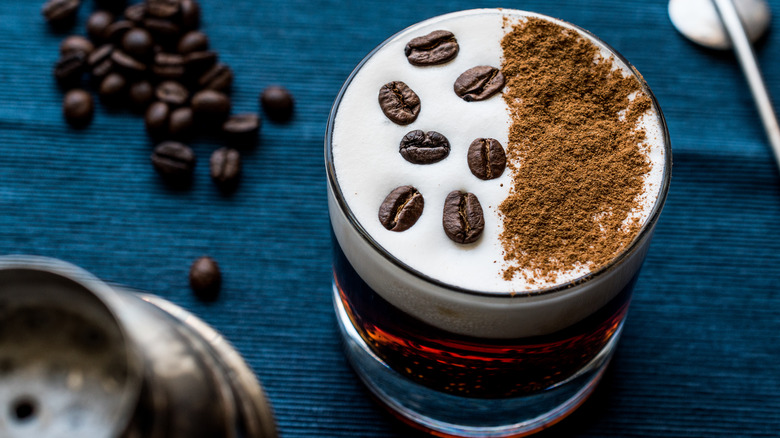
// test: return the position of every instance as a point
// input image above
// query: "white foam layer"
(368, 165)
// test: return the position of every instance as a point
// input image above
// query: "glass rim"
(643, 233)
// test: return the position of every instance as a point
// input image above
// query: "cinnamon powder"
(575, 153)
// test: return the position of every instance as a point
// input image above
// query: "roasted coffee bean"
(172, 93)
(181, 123)
(193, 41)
(111, 5)
(479, 83)
(156, 119)
(205, 278)
(190, 14)
(138, 43)
(211, 106)
(277, 102)
(162, 8)
(420, 147)
(140, 95)
(78, 108)
(168, 66)
(174, 161)
(70, 68)
(136, 13)
(97, 23)
(437, 47)
(113, 89)
(164, 31)
(61, 13)
(463, 220)
(101, 70)
(76, 43)
(117, 30)
(199, 62)
(399, 103)
(127, 64)
(218, 78)
(241, 129)
(486, 158)
(99, 55)
(401, 208)
(225, 167)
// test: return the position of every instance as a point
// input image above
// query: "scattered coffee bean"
(241, 129)
(190, 14)
(486, 158)
(211, 106)
(479, 83)
(136, 13)
(164, 31)
(138, 43)
(399, 103)
(193, 41)
(97, 23)
(401, 208)
(218, 78)
(181, 123)
(174, 161)
(76, 43)
(225, 167)
(140, 95)
(463, 220)
(78, 108)
(113, 89)
(172, 93)
(117, 30)
(61, 13)
(70, 69)
(205, 278)
(162, 8)
(111, 5)
(420, 147)
(277, 103)
(100, 55)
(156, 119)
(437, 47)
(199, 62)
(127, 64)
(168, 66)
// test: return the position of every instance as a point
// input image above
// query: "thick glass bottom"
(449, 415)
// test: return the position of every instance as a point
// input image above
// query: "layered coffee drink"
(494, 179)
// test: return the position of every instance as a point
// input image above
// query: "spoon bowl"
(700, 22)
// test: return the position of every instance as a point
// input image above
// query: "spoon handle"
(749, 64)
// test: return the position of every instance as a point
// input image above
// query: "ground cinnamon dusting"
(575, 153)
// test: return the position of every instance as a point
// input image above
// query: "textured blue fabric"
(700, 355)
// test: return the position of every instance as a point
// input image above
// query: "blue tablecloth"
(700, 355)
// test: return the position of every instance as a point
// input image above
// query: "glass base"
(448, 415)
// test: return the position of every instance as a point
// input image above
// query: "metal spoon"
(720, 24)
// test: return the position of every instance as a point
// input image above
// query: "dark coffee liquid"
(469, 366)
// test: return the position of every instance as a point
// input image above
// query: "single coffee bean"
(70, 68)
(437, 47)
(140, 95)
(76, 43)
(78, 108)
(193, 41)
(399, 103)
(136, 13)
(162, 8)
(168, 66)
(190, 14)
(60, 13)
(217, 78)
(241, 129)
(463, 220)
(486, 158)
(205, 278)
(156, 119)
(225, 167)
(97, 23)
(277, 103)
(113, 89)
(401, 208)
(117, 30)
(172, 93)
(420, 147)
(174, 161)
(102, 70)
(181, 123)
(199, 62)
(111, 5)
(99, 55)
(138, 43)
(127, 64)
(479, 83)
(164, 31)
(211, 106)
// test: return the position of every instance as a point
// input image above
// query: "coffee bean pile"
(152, 58)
